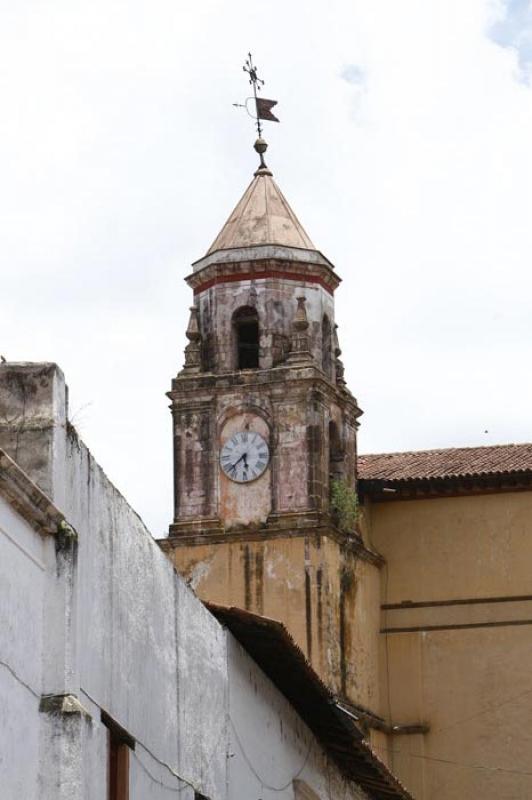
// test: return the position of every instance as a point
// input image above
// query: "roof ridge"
(291, 214)
(445, 449)
(267, 207)
(248, 192)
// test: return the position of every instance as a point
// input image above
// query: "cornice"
(263, 269)
(284, 380)
(261, 252)
(285, 526)
(29, 501)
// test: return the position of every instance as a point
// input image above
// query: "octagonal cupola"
(248, 285)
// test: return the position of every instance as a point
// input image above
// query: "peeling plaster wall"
(241, 503)
(33, 411)
(293, 409)
(275, 301)
(328, 599)
(152, 656)
(108, 621)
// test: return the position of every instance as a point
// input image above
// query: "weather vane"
(263, 107)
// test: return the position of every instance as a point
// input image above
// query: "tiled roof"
(454, 462)
(262, 216)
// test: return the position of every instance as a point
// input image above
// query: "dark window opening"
(246, 324)
(120, 743)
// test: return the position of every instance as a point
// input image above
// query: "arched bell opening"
(246, 333)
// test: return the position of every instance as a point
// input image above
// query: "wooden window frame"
(119, 745)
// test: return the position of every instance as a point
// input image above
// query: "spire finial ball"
(260, 146)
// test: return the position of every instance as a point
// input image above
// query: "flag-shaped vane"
(264, 109)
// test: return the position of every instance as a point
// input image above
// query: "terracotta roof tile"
(453, 462)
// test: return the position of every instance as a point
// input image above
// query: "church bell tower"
(262, 424)
(261, 413)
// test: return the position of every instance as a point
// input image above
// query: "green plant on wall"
(344, 505)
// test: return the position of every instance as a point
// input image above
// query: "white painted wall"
(269, 745)
(22, 583)
(109, 621)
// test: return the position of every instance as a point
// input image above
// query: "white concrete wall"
(108, 620)
(22, 584)
(269, 746)
(151, 655)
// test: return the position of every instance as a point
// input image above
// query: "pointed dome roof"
(262, 217)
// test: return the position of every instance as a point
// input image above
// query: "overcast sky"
(405, 148)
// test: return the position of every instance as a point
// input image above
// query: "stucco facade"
(456, 641)
(98, 629)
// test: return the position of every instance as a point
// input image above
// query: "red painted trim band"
(246, 276)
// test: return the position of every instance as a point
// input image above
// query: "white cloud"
(513, 28)
(121, 157)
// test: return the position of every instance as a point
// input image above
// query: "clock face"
(244, 456)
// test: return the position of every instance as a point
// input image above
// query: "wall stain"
(308, 600)
(247, 578)
(205, 467)
(319, 606)
(346, 584)
(177, 475)
(259, 581)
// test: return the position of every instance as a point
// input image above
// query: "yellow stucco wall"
(464, 668)
(327, 598)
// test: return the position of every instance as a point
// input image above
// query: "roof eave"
(255, 252)
(390, 489)
(268, 642)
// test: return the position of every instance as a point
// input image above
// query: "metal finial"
(263, 111)
(256, 82)
(260, 147)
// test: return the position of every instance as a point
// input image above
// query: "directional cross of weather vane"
(263, 107)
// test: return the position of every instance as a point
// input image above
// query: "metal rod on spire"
(263, 109)
(256, 82)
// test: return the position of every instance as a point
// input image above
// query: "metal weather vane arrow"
(263, 107)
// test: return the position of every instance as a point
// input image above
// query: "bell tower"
(262, 365)
(263, 422)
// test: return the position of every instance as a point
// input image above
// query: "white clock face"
(244, 456)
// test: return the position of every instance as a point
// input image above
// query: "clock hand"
(238, 460)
